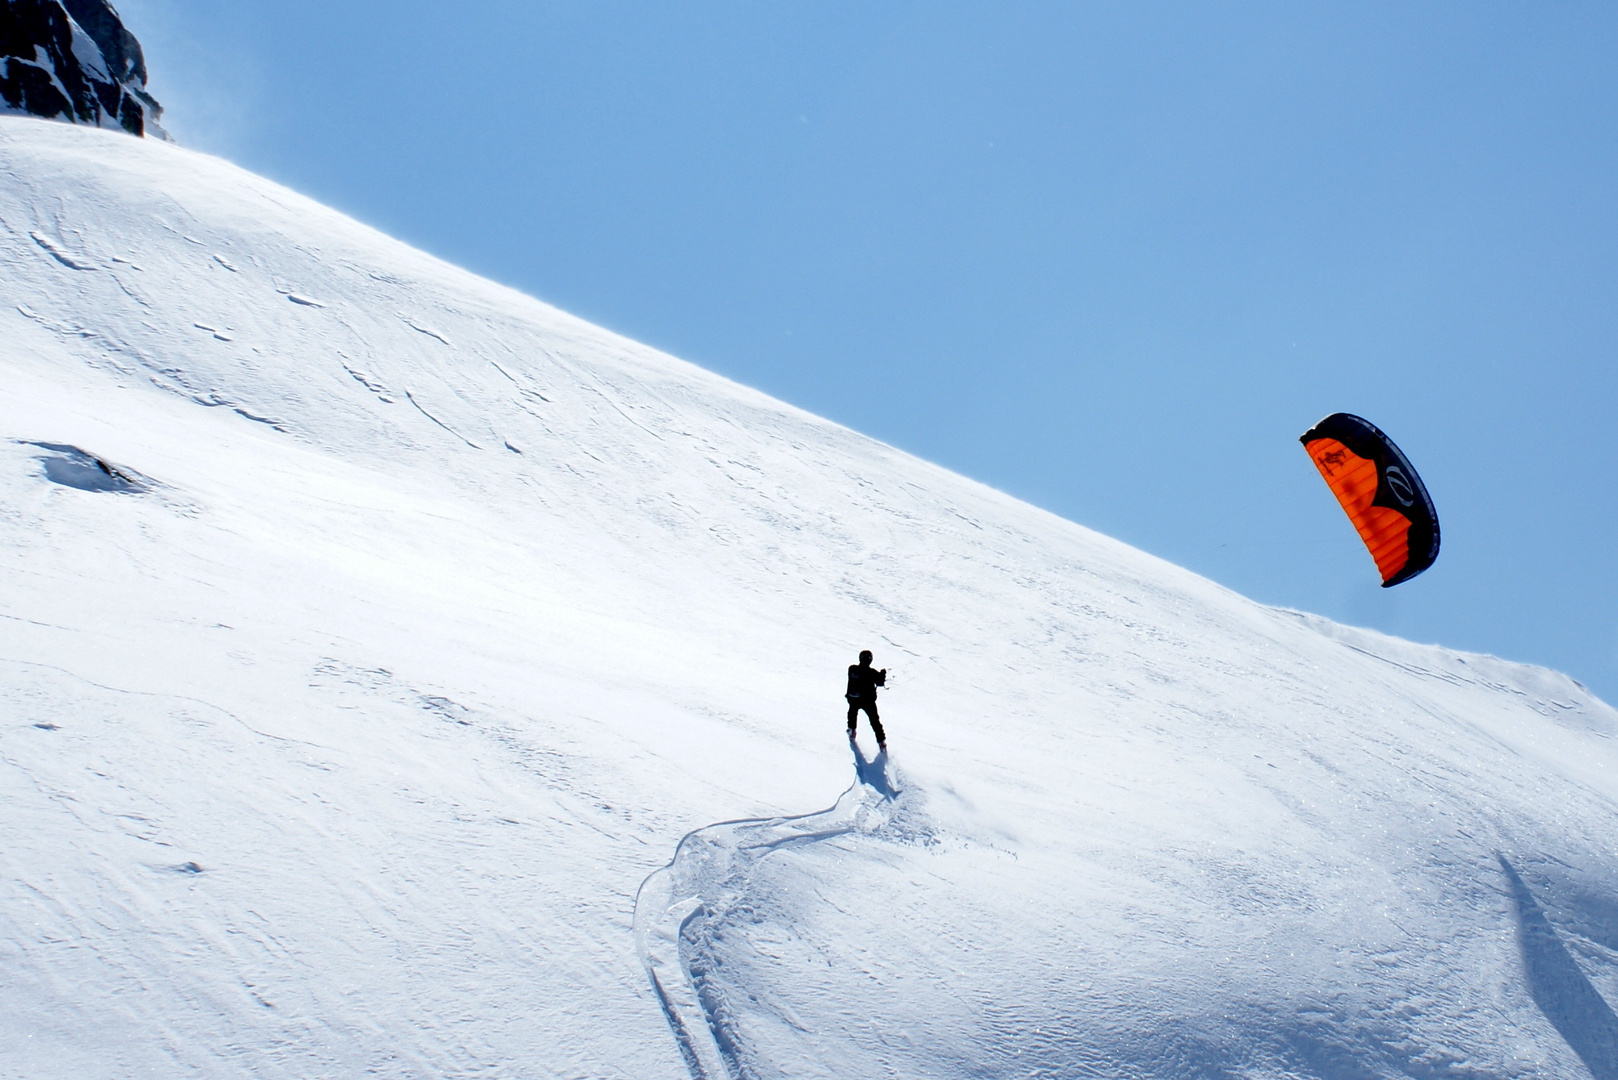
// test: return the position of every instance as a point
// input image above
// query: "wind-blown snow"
(370, 633)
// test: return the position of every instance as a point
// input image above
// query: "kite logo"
(1400, 486)
(1331, 459)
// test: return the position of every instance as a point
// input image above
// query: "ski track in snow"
(683, 906)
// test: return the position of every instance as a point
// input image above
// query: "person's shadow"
(873, 773)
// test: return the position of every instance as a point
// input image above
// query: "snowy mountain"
(74, 60)
(401, 677)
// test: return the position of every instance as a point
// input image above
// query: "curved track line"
(677, 904)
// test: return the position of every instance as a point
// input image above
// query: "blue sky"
(1112, 258)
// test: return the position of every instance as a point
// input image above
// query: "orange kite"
(1380, 493)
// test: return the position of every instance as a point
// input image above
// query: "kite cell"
(1380, 493)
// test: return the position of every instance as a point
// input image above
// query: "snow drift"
(370, 633)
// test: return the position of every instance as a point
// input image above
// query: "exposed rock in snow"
(74, 60)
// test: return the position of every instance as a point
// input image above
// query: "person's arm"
(882, 677)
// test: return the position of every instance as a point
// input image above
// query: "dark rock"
(125, 61)
(74, 60)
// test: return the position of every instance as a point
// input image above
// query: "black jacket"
(863, 681)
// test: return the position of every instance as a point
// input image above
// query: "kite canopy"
(1380, 493)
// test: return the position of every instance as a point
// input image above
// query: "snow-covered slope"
(369, 634)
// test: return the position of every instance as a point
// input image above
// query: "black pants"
(854, 707)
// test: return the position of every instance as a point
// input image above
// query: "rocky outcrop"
(74, 60)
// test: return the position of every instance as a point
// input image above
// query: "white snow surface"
(370, 632)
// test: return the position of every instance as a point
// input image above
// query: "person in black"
(862, 683)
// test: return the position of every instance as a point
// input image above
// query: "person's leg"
(853, 718)
(876, 724)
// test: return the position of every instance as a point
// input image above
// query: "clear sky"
(1112, 258)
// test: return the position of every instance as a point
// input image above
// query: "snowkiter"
(862, 683)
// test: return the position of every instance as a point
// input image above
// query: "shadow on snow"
(1563, 993)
